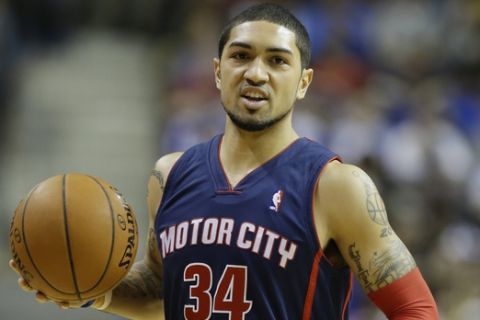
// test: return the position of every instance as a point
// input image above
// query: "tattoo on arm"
(391, 265)
(384, 267)
(141, 282)
(153, 249)
(362, 273)
(375, 206)
(157, 174)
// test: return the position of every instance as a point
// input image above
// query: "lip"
(253, 105)
(254, 91)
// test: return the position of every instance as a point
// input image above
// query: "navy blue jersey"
(249, 252)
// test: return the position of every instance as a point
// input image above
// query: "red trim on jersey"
(312, 285)
(232, 189)
(347, 297)
(406, 298)
(307, 308)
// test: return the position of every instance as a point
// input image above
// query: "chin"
(252, 125)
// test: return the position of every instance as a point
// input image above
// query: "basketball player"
(259, 223)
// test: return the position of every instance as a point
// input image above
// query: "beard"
(253, 125)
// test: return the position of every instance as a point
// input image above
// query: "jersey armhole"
(313, 191)
(168, 181)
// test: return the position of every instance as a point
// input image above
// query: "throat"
(235, 174)
(235, 179)
(241, 154)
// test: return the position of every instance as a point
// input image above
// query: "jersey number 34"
(230, 295)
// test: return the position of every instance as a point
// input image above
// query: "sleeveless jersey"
(250, 252)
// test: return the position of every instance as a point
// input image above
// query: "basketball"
(73, 237)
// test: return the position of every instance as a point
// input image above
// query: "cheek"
(289, 90)
(226, 93)
(230, 86)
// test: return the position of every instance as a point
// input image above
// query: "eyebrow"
(248, 46)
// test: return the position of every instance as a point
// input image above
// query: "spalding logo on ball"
(74, 237)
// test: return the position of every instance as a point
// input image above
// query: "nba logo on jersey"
(277, 200)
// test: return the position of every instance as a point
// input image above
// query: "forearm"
(139, 295)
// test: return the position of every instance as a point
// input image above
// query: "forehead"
(263, 34)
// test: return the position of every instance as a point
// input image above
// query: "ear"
(305, 80)
(216, 70)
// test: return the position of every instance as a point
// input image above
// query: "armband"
(406, 298)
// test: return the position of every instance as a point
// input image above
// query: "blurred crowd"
(396, 90)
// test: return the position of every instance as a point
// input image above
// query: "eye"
(278, 60)
(239, 56)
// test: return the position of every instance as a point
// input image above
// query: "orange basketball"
(73, 237)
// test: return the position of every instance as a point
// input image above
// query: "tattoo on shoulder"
(375, 205)
(157, 174)
(384, 267)
(141, 282)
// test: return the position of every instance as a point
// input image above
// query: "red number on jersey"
(199, 291)
(230, 295)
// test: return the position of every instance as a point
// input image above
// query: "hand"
(40, 297)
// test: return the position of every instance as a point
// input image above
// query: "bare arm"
(350, 213)
(140, 294)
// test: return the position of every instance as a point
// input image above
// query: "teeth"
(254, 96)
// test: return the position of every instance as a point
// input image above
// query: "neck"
(243, 151)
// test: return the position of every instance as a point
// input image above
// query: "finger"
(24, 285)
(63, 305)
(41, 298)
(13, 265)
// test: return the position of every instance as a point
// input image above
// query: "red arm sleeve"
(407, 298)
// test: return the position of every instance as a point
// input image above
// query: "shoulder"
(342, 195)
(157, 180)
(343, 179)
(165, 164)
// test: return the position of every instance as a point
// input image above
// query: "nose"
(256, 74)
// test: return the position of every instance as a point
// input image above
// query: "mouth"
(254, 97)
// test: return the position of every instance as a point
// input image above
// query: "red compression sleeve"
(407, 298)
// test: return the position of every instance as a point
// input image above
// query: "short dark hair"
(272, 13)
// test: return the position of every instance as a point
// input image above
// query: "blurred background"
(106, 87)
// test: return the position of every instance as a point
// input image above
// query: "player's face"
(260, 75)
